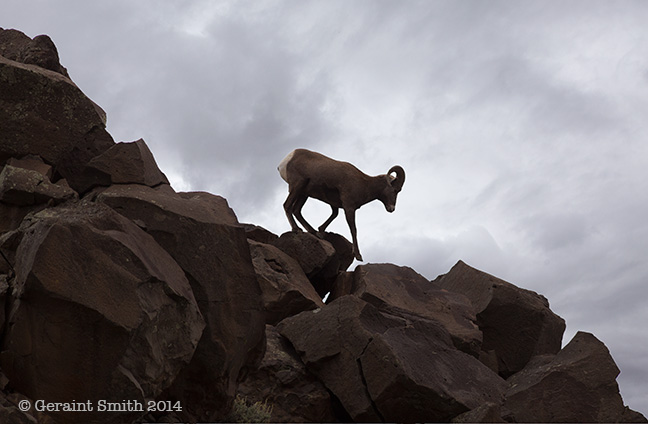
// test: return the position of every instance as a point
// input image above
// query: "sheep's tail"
(282, 168)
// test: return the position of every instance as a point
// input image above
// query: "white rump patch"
(283, 165)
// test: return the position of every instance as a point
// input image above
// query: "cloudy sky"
(522, 127)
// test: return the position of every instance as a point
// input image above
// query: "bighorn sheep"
(339, 184)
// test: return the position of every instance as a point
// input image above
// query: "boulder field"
(116, 290)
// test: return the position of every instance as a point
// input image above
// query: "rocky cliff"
(122, 300)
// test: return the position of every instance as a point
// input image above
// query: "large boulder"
(285, 289)
(403, 292)
(283, 381)
(322, 259)
(203, 236)
(33, 163)
(517, 324)
(123, 163)
(25, 187)
(98, 311)
(385, 368)
(311, 252)
(39, 51)
(44, 113)
(343, 252)
(576, 385)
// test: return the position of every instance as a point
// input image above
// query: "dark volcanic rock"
(124, 163)
(311, 252)
(285, 289)
(202, 234)
(13, 415)
(486, 413)
(576, 385)
(283, 381)
(260, 234)
(40, 51)
(10, 218)
(12, 43)
(43, 113)
(517, 324)
(322, 259)
(108, 316)
(24, 187)
(4, 288)
(402, 291)
(33, 163)
(384, 368)
(343, 251)
(330, 342)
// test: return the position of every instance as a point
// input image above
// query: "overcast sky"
(522, 127)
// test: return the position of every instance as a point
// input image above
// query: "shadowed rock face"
(39, 51)
(26, 187)
(44, 113)
(123, 163)
(381, 367)
(285, 288)
(107, 314)
(403, 292)
(517, 324)
(133, 292)
(202, 235)
(576, 385)
(115, 287)
(283, 381)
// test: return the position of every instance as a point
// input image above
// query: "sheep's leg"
(289, 207)
(350, 217)
(299, 204)
(334, 214)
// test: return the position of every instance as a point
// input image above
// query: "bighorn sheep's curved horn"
(397, 183)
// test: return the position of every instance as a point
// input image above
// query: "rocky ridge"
(114, 287)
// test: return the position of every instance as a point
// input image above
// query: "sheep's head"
(393, 187)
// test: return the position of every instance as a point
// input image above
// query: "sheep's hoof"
(358, 257)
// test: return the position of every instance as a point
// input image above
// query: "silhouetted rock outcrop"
(123, 163)
(260, 234)
(403, 292)
(202, 234)
(114, 287)
(322, 259)
(39, 51)
(517, 324)
(44, 113)
(586, 375)
(135, 292)
(285, 288)
(384, 368)
(97, 308)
